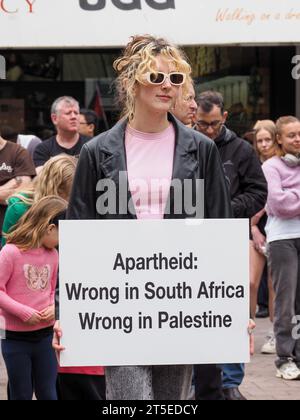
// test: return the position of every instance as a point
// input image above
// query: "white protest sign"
(154, 292)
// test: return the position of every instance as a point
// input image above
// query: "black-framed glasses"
(203, 125)
(159, 78)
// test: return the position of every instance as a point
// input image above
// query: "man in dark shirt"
(248, 188)
(65, 116)
(16, 169)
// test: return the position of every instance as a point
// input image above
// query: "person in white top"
(283, 236)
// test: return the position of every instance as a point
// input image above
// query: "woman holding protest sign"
(149, 144)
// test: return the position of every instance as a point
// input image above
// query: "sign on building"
(110, 23)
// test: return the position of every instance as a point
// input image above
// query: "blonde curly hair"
(139, 57)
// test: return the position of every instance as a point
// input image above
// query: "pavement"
(260, 381)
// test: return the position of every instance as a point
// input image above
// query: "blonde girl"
(28, 276)
(265, 139)
(266, 147)
(56, 178)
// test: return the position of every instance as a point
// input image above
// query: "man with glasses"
(248, 190)
(88, 125)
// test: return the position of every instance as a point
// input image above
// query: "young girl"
(28, 276)
(266, 147)
(148, 144)
(265, 139)
(56, 178)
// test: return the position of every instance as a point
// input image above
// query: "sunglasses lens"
(157, 78)
(177, 78)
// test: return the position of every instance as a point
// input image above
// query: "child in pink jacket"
(28, 276)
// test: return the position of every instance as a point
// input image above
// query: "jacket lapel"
(114, 166)
(185, 164)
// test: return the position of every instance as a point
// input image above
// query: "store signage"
(14, 6)
(111, 23)
(123, 5)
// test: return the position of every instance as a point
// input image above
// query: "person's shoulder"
(14, 200)
(47, 144)
(13, 148)
(50, 256)
(10, 251)
(44, 150)
(272, 163)
(17, 153)
(104, 140)
(94, 143)
(243, 148)
(190, 133)
(83, 139)
(52, 253)
(241, 143)
(201, 139)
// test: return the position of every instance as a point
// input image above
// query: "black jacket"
(104, 157)
(248, 186)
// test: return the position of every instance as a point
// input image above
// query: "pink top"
(284, 189)
(150, 166)
(27, 285)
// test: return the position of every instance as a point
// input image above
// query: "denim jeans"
(233, 375)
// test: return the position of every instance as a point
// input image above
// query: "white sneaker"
(289, 372)
(270, 345)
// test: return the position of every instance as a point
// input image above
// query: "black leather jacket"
(104, 157)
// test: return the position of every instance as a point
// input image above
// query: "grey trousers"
(285, 268)
(140, 383)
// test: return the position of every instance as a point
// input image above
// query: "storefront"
(67, 48)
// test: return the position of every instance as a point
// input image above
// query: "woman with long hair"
(266, 147)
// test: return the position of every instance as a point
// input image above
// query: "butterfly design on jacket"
(37, 278)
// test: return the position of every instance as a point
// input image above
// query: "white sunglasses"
(159, 78)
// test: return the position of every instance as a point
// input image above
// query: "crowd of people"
(186, 136)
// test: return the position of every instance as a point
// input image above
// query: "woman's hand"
(35, 319)
(251, 329)
(48, 314)
(259, 240)
(256, 219)
(56, 340)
